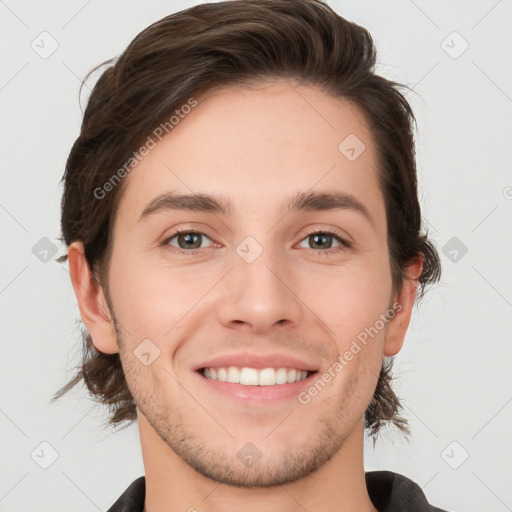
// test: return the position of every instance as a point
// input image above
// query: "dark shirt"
(389, 492)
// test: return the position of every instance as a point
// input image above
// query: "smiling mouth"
(255, 377)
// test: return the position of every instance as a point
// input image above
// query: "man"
(244, 241)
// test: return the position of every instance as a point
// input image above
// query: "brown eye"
(321, 240)
(324, 240)
(186, 240)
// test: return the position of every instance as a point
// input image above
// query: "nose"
(258, 295)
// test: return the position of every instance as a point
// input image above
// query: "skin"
(257, 146)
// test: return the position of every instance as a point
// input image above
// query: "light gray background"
(454, 373)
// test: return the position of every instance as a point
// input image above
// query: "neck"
(171, 484)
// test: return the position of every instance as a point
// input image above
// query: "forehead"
(259, 146)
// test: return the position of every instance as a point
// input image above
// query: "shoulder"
(393, 492)
(132, 499)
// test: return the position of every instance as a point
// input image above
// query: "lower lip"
(267, 394)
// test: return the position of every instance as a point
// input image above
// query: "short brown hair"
(235, 43)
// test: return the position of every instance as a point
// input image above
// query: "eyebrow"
(301, 201)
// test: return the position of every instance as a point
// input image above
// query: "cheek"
(349, 298)
(148, 302)
(353, 307)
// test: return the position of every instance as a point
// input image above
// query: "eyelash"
(344, 243)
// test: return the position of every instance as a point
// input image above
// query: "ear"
(91, 301)
(397, 326)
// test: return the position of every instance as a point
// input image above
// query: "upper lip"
(258, 361)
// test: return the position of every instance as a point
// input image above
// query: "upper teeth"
(254, 377)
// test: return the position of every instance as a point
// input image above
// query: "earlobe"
(91, 301)
(404, 301)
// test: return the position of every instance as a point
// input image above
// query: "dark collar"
(393, 492)
(389, 492)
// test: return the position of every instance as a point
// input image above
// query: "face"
(256, 291)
